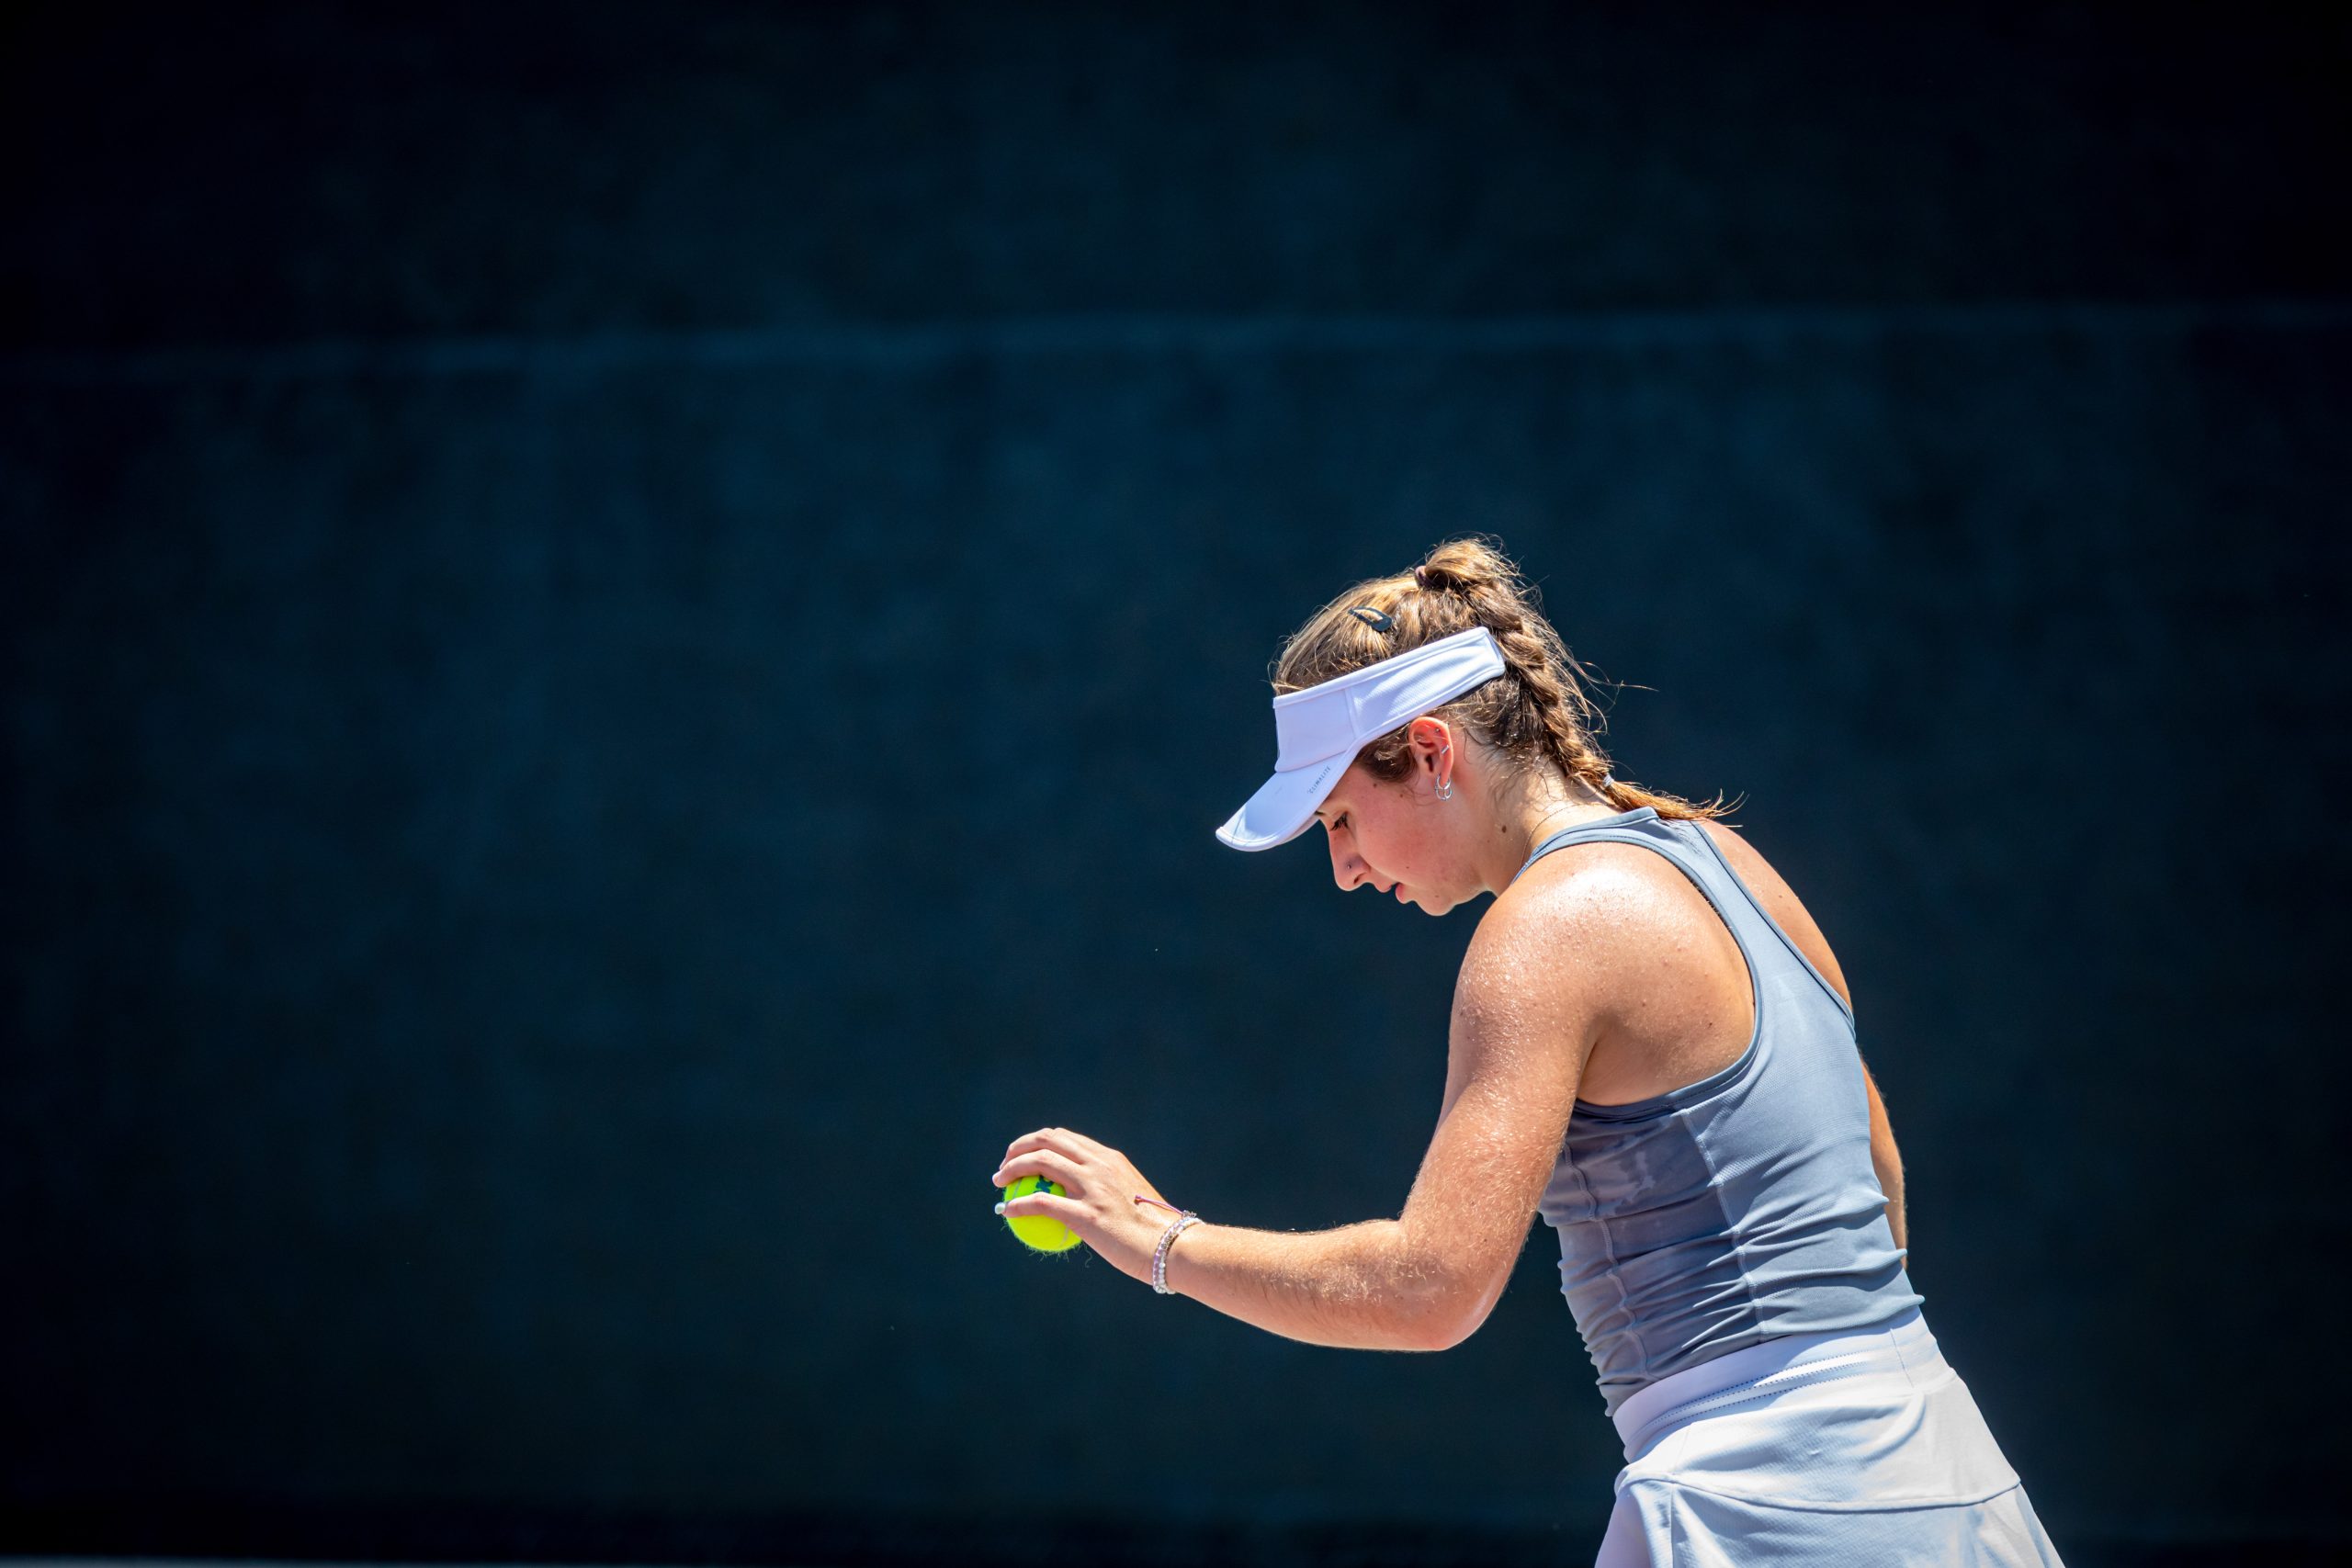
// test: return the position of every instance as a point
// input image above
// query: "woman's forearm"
(1356, 1287)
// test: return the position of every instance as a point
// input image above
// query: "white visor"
(1319, 732)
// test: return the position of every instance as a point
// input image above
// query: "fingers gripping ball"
(1040, 1232)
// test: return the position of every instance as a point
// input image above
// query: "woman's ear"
(1431, 739)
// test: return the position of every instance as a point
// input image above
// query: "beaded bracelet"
(1167, 1238)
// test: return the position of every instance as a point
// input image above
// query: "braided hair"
(1538, 715)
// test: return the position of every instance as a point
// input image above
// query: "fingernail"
(1000, 1208)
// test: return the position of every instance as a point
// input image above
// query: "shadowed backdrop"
(624, 631)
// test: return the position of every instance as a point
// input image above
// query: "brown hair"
(1536, 712)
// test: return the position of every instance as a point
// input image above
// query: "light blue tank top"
(1739, 1208)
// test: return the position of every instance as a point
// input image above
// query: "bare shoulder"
(1551, 962)
(1611, 955)
(1586, 933)
(1780, 901)
(1538, 959)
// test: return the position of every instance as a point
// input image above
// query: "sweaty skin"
(1602, 974)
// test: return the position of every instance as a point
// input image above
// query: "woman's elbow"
(1449, 1324)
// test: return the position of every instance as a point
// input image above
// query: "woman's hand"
(1100, 1184)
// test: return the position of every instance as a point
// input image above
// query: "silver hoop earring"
(1445, 789)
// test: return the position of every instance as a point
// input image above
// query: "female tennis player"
(1651, 1047)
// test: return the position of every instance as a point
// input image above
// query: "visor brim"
(1283, 806)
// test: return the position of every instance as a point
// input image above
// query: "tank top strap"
(1577, 831)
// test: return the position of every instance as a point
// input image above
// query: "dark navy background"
(625, 626)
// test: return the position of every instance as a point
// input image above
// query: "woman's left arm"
(1886, 1160)
(1525, 1013)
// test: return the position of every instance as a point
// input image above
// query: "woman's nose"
(1343, 865)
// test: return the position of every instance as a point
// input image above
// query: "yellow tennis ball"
(1040, 1232)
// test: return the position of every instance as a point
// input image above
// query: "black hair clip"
(1372, 618)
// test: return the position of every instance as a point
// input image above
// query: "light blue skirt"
(1819, 1448)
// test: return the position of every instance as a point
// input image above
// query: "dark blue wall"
(624, 631)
